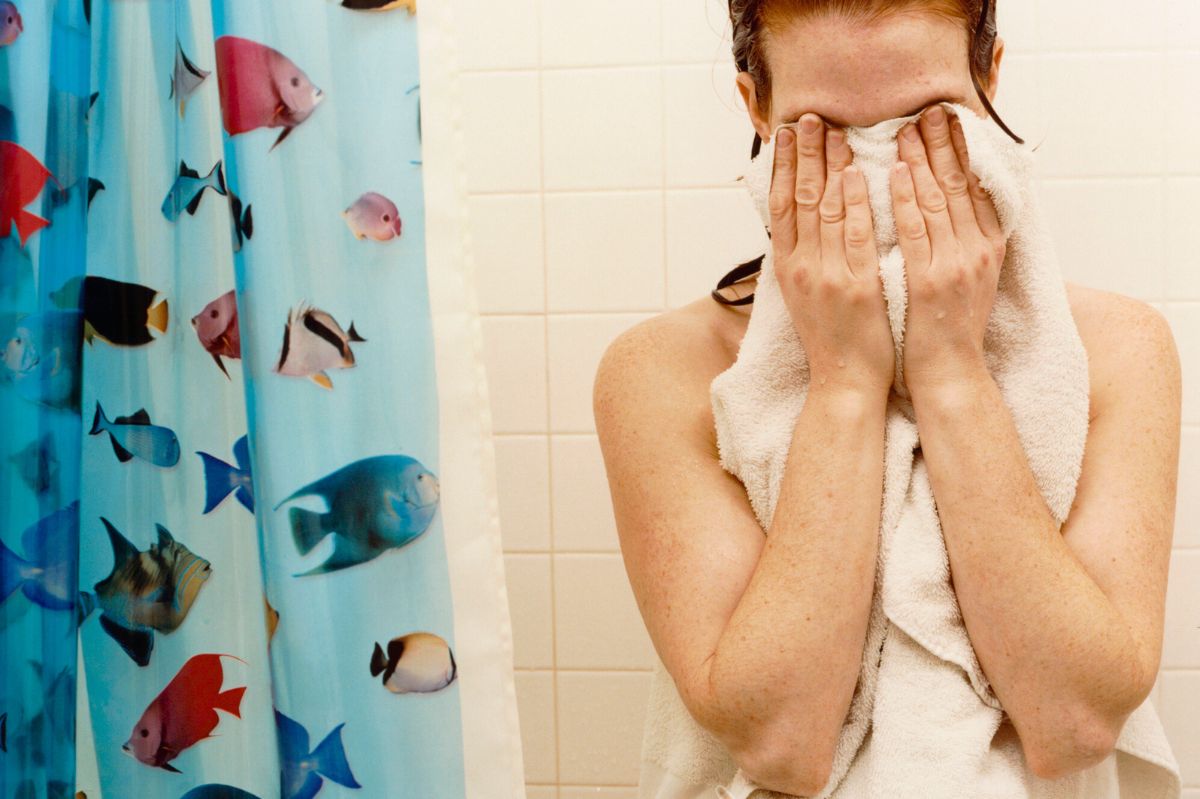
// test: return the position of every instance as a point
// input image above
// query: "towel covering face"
(924, 722)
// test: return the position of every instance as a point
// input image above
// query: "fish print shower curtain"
(248, 534)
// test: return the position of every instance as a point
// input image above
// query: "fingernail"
(910, 132)
(836, 137)
(937, 115)
(785, 137)
(900, 168)
(809, 123)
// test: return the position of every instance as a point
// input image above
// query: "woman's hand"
(953, 248)
(823, 244)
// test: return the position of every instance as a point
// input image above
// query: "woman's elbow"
(785, 768)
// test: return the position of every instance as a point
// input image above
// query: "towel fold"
(924, 721)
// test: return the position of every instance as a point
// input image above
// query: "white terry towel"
(923, 705)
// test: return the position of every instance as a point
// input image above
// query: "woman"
(762, 635)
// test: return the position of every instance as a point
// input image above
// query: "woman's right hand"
(825, 260)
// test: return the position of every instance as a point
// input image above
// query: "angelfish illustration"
(375, 504)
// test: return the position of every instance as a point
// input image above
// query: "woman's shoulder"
(1119, 332)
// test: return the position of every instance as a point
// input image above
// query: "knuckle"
(779, 203)
(831, 209)
(808, 194)
(828, 286)
(955, 183)
(858, 234)
(809, 148)
(983, 261)
(999, 250)
(933, 201)
(913, 229)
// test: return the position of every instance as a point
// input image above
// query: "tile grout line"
(541, 84)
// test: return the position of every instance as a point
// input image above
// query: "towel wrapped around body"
(924, 723)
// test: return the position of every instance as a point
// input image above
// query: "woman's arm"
(1068, 628)
(791, 652)
(762, 636)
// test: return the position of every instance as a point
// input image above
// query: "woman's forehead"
(854, 73)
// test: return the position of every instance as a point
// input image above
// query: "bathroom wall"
(603, 142)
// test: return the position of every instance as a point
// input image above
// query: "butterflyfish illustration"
(303, 771)
(380, 5)
(186, 77)
(136, 435)
(217, 328)
(419, 662)
(22, 177)
(313, 342)
(374, 504)
(260, 87)
(373, 216)
(189, 187)
(119, 313)
(184, 713)
(43, 572)
(11, 24)
(222, 479)
(147, 591)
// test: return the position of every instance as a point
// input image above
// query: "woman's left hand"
(952, 245)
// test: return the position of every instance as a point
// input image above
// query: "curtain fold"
(246, 420)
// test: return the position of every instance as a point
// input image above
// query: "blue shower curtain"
(220, 405)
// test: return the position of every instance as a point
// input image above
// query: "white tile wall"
(604, 140)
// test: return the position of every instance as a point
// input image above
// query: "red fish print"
(22, 177)
(184, 713)
(260, 87)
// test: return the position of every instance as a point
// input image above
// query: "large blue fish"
(46, 573)
(136, 435)
(304, 772)
(214, 791)
(221, 478)
(375, 504)
(42, 359)
(146, 591)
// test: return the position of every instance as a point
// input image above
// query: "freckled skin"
(856, 73)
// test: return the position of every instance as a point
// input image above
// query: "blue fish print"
(213, 791)
(221, 479)
(375, 504)
(189, 186)
(55, 789)
(304, 772)
(41, 357)
(46, 574)
(37, 464)
(135, 435)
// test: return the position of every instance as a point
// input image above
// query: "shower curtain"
(249, 543)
